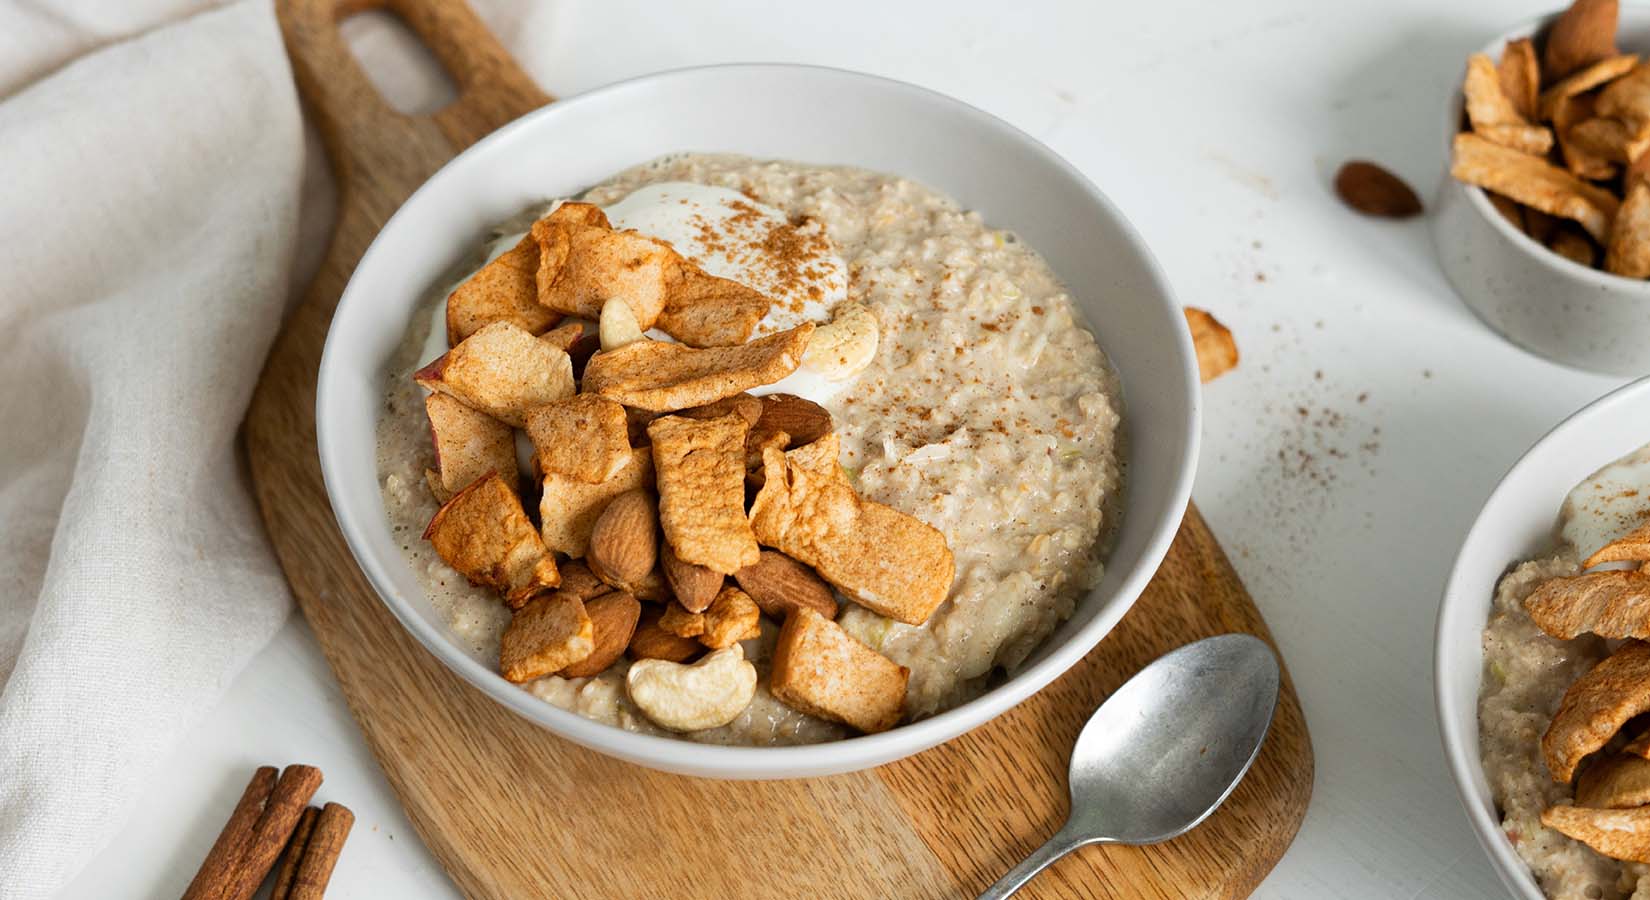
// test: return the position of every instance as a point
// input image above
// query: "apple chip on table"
(1566, 137)
(684, 510)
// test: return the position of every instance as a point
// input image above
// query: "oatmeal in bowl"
(793, 455)
(1543, 667)
(816, 428)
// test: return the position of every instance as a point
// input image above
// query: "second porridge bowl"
(810, 116)
(1520, 521)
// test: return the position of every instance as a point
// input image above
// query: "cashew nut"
(710, 693)
(618, 325)
(845, 346)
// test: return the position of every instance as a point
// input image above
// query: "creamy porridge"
(988, 411)
(1526, 675)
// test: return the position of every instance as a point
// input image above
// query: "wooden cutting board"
(512, 811)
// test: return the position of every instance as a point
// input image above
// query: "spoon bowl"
(1165, 749)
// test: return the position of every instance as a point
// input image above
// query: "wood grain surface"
(512, 812)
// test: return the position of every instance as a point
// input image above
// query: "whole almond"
(1585, 34)
(652, 642)
(779, 584)
(694, 586)
(804, 420)
(613, 619)
(1373, 191)
(624, 544)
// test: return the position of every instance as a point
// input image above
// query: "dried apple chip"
(569, 508)
(1520, 77)
(1486, 104)
(1574, 245)
(1533, 182)
(1620, 781)
(1628, 99)
(1608, 139)
(700, 469)
(583, 263)
(468, 445)
(1595, 707)
(1609, 604)
(1628, 253)
(544, 637)
(1622, 834)
(485, 534)
(583, 437)
(1579, 160)
(663, 377)
(1217, 352)
(887, 561)
(503, 290)
(501, 370)
(1631, 547)
(1585, 80)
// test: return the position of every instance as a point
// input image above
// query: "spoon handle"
(1063, 842)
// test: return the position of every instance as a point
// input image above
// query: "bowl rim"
(1479, 199)
(1465, 767)
(760, 762)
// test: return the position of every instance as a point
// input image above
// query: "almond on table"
(484, 534)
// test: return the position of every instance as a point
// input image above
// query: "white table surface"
(1216, 128)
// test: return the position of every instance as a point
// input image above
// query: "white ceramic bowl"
(1518, 522)
(1539, 300)
(786, 112)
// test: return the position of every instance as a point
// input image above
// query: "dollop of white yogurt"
(1608, 504)
(730, 236)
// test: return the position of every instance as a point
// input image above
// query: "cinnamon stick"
(226, 853)
(280, 818)
(294, 853)
(321, 852)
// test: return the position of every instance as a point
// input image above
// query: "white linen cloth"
(149, 183)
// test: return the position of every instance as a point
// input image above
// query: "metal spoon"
(1164, 750)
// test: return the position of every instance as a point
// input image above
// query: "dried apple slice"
(1595, 707)
(662, 377)
(824, 671)
(468, 445)
(1628, 253)
(700, 466)
(485, 534)
(1533, 182)
(891, 563)
(584, 437)
(1609, 604)
(1520, 77)
(503, 290)
(1622, 834)
(544, 637)
(503, 371)
(1621, 781)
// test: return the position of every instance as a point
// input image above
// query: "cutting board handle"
(360, 129)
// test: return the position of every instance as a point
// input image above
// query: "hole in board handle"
(397, 63)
